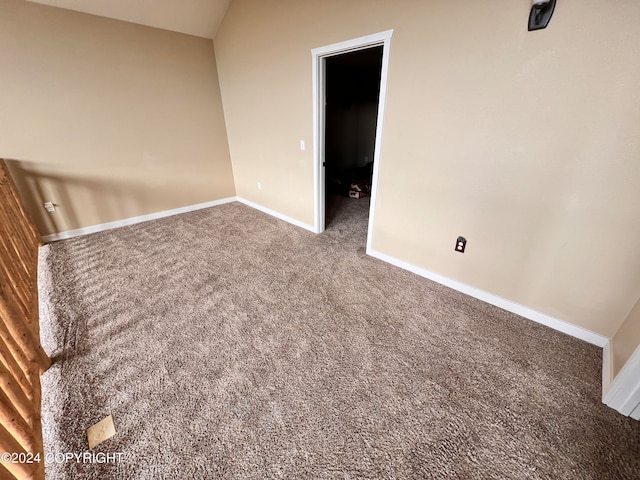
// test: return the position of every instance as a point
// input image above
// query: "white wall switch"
(259, 185)
(302, 145)
(49, 207)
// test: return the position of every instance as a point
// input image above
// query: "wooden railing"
(22, 358)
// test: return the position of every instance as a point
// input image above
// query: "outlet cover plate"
(101, 431)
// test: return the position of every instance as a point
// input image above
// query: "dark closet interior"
(352, 94)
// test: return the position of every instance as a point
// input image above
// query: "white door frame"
(318, 56)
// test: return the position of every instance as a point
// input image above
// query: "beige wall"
(627, 339)
(525, 143)
(108, 119)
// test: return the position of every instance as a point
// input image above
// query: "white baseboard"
(133, 220)
(279, 215)
(622, 393)
(607, 368)
(526, 312)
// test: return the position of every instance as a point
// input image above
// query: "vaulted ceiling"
(193, 17)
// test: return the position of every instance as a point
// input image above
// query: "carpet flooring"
(229, 344)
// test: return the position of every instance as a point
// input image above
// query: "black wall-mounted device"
(540, 15)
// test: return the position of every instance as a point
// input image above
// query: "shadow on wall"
(80, 200)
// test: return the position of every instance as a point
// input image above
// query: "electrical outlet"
(303, 146)
(461, 244)
(49, 207)
(259, 185)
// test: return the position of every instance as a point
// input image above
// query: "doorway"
(337, 146)
(352, 90)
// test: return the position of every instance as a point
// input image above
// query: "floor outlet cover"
(101, 431)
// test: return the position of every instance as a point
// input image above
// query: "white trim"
(279, 215)
(526, 312)
(133, 220)
(607, 367)
(379, 129)
(318, 56)
(318, 86)
(353, 44)
(623, 394)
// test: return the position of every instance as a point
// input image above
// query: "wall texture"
(525, 143)
(627, 339)
(108, 119)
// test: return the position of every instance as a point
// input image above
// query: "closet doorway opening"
(349, 94)
(352, 84)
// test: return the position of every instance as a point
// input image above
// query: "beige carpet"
(229, 344)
